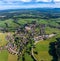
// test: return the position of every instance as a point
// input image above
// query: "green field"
(27, 57)
(3, 40)
(12, 57)
(43, 50)
(49, 30)
(11, 22)
(5, 56)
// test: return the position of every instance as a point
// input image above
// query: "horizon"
(22, 4)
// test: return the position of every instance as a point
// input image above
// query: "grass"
(42, 21)
(24, 21)
(43, 51)
(12, 57)
(4, 56)
(27, 57)
(3, 40)
(9, 22)
(49, 30)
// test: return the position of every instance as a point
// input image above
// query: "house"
(38, 38)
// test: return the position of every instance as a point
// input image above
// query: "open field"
(9, 23)
(50, 30)
(43, 50)
(27, 57)
(4, 55)
(12, 57)
(3, 40)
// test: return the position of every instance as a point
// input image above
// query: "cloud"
(19, 1)
(11, 4)
(43, 0)
(10, 1)
(26, 0)
(56, 0)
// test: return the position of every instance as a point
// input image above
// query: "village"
(30, 33)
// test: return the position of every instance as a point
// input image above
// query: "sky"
(18, 4)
